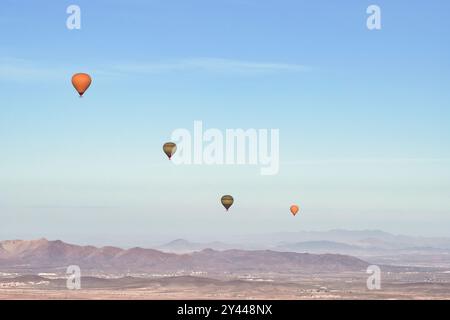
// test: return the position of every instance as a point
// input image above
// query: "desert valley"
(327, 265)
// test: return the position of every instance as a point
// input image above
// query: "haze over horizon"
(231, 240)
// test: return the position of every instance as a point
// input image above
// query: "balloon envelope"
(169, 149)
(81, 82)
(227, 201)
(294, 209)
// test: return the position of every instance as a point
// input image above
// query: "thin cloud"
(70, 207)
(212, 65)
(13, 69)
(22, 70)
(365, 161)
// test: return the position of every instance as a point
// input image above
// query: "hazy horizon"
(156, 240)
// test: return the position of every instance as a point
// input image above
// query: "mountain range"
(363, 244)
(45, 255)
(366, 239)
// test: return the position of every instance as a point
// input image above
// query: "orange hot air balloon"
(294, 209)
(81, 82)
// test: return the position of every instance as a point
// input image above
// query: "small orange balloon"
(81, 82)
(294, 209)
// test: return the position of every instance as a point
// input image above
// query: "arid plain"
(325, 269)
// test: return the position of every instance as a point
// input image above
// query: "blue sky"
(363, 117)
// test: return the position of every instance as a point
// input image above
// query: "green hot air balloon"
(227, 201)
(169, 149)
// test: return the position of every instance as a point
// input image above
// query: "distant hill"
(318, 246)
(184, 246)
(49, 255)
(365, 239)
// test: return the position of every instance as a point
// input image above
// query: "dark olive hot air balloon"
(227, 201)
(169, 149)
(81, 82)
